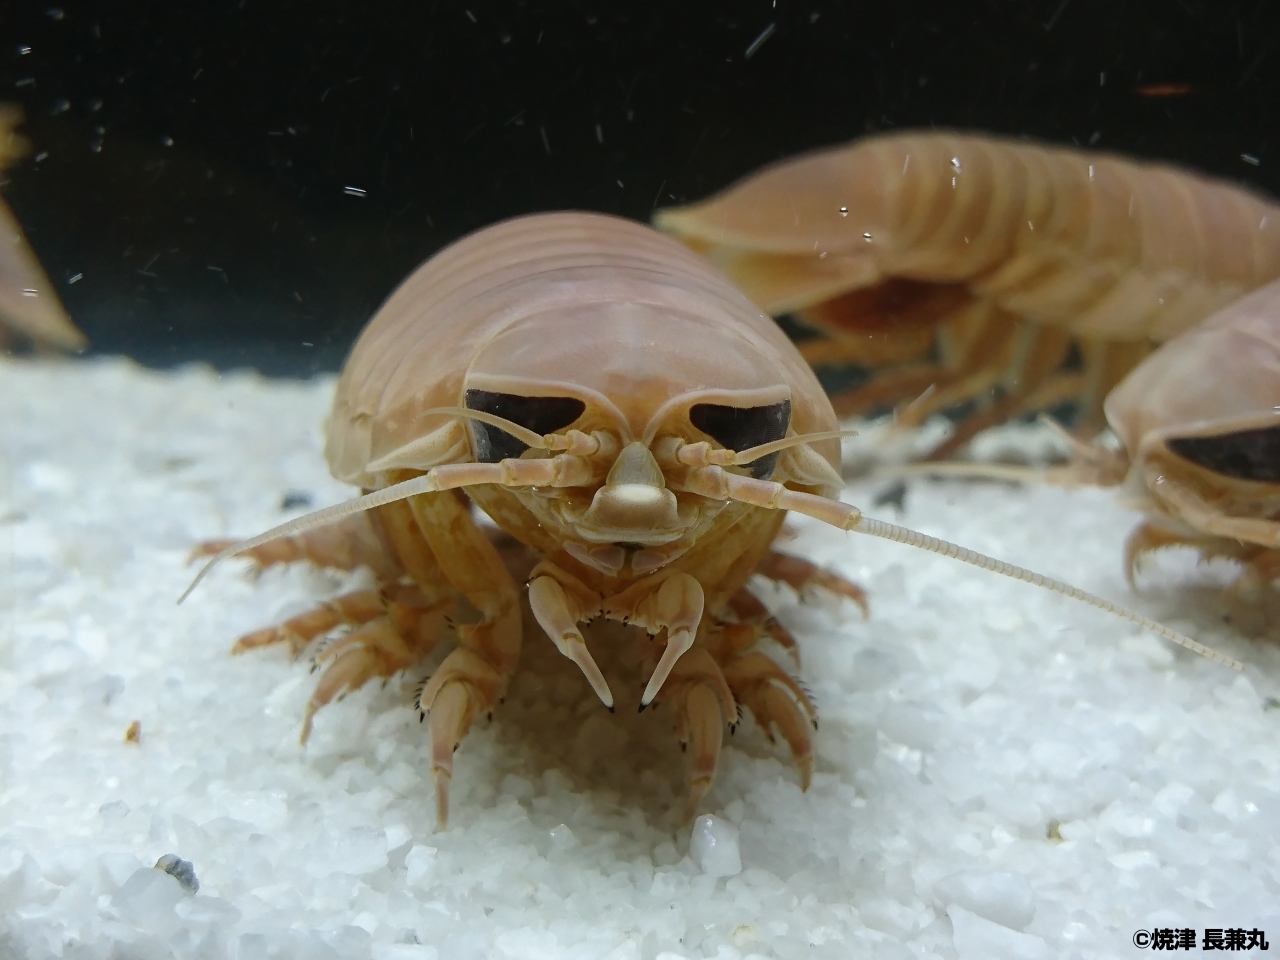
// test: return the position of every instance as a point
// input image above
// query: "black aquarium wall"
(243, 182)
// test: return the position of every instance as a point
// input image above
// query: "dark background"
(191, 157)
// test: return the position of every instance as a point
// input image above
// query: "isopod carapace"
(970, 268)
(1199, 428)
(30, 312)
(616, 406)
(1198, 452)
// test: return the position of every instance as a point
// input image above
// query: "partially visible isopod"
(1198, 424)
(965, 268)
(29, 308)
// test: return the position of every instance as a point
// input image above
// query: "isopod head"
(1200, 421)
(595, 351)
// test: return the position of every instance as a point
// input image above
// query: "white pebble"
(978, 939)
(999, 896)
(714, 845)
(147, 900)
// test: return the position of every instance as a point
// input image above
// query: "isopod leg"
(801, 576)
(352, 542)
(352, 609)
(702, 704)
(380, 648)
(1261, 564)
(754, 617)
(559, 611)
(776, 700)
(972, 347)
(472, 678)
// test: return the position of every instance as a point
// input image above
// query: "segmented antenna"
(890, 531)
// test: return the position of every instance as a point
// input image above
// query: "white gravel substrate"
(1001, 772)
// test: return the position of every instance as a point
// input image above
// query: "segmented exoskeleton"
(966, 268)
(626, 417)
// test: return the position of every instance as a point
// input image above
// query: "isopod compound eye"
(738, 428)
(542, 415)
(1244, 455)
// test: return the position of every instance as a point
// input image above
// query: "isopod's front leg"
(1261, 565)
(560, 601)
(472, 678)
(671, 601)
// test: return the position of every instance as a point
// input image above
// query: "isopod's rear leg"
(802, 576)
(403, 636)
(972, 347)
(702, 705)
(351, 610)
(1041, 352)
(472, 678)
(355, 541)
(776, 700)
(747, 609)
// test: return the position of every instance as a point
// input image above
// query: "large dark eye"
(737, 428)
(542, 415)
(1246, 455)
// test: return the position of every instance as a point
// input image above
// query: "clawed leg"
(399, 626)
(777, 701)
(352, 610)
(702, 704)
(559, 602)
(383, 647)
(1261, 564)
(474, 676)
(356, 541)
(801, 575)
(750, 612)
(674, 606)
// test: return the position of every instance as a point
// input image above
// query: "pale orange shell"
(1221, 377)
(561, 304)
(1107, 247)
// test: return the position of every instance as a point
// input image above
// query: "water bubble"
(955, 164)
(867, 237)
(844, 211)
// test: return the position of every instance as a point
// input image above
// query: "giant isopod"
(615, 405)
